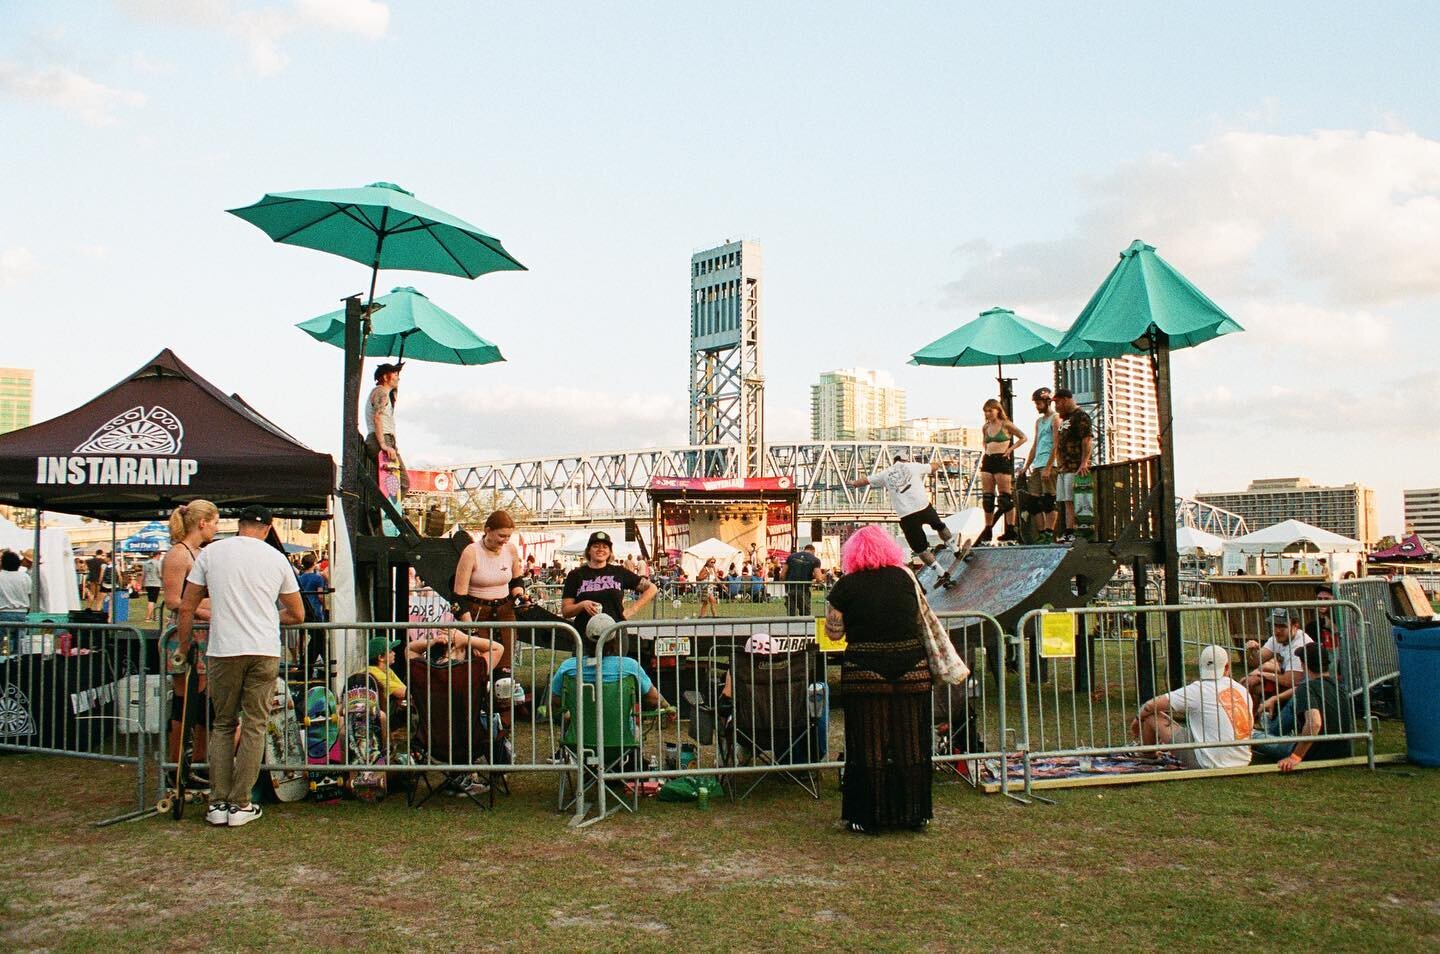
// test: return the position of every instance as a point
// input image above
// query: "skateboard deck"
(284, 743)
(174, 799)
(365, 744)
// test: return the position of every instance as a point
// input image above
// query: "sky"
(903, 171)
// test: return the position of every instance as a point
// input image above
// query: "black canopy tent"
(161, 437)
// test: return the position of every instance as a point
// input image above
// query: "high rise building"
(1422, 513)
(1119, 396)
(929, 430)
(727, 386)
(17, 390)
(854, 404)
(1348, 510)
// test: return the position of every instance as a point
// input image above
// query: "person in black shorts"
(910, 497)
(997, 469)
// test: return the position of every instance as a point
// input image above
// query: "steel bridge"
(573, 490)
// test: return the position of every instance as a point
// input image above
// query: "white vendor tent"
(1192, 541)
(58, 592)
(695, 556)
(574, 544)
(1293, 540)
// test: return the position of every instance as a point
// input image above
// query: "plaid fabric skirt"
(887, 749)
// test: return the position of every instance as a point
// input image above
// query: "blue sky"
(903, 171)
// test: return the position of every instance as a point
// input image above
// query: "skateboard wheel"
(163, 805)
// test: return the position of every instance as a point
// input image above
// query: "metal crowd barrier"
(689, 599)
(745, 698)
(88, 690)
(336, 729)
(1108, 661)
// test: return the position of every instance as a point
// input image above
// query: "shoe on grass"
(218, 813)
(243, 815)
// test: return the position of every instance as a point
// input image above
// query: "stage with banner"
(759, 516)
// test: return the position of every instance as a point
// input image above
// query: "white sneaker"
(243, 815)
(218, 814)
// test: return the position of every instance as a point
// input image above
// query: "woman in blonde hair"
(192, 525)
(997, 469)
(489, 577)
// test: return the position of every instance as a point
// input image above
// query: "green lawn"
(1340, 859)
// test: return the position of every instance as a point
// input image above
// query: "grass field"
(1340, 859)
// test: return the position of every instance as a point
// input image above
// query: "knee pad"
(1007, 501)
(987, 502)
(1047, 503)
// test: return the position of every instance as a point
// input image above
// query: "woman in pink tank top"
(487, 580)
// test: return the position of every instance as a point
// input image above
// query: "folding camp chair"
(779, 716)
(621, 739)
(454, 726)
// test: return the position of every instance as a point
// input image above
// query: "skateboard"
(285, 744)
(323, 731)
(174, 799)
(364, 744)
(946, 561)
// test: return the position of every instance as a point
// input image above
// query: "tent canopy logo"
(137, 431)
(138, 447)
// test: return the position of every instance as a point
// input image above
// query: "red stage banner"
(722, 484)
(431, 481)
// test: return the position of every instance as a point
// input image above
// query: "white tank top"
(490, 580)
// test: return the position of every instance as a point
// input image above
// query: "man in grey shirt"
(380, 430)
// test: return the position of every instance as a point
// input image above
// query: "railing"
(1125, 500)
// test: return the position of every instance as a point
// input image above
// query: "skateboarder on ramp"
(911, 499)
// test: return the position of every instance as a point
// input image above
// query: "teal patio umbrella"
(408, 323)
(997, 335)
(1145, 306)
(381, 225)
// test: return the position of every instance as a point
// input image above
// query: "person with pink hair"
(885, 682)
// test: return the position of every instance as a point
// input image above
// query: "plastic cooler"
(1418, 643)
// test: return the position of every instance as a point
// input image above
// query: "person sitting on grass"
(1215, 707)
(1317, 706)
(1277, 664)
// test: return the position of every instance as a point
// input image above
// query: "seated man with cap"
(598, 586)
(1215, 708)
(1276, 665)
(612, 668)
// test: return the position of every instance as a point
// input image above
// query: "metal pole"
(1174, 645)
(35, 568)
(1144, 668)
(349, 419)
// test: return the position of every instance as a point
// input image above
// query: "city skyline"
(1300, 200)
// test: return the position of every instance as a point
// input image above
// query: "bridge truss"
(578, 489)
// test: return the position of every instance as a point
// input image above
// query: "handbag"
(946, 666)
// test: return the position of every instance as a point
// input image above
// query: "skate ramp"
(1007, 582)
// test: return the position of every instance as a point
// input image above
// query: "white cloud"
(16, 262)
(262, 27)
(1355, 214)
(66, 89)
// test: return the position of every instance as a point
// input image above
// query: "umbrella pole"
(1174, 645)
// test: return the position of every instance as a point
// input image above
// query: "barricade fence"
(732, 701)
(688, 599)
(362, 710)
(1087, 673)
(728, 701)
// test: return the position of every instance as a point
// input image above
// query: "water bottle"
(702, 799)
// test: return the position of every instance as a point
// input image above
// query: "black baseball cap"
(599, 536)
(1039, 393)
(383, 369)
(256, 514)
(1064, 392)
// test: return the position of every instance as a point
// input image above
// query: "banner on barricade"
(1057, 635)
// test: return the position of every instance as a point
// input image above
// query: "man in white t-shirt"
(911, 499)
(246, 580)
(1277, 664)
(1215, 708)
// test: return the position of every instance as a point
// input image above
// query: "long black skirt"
(887, 754)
